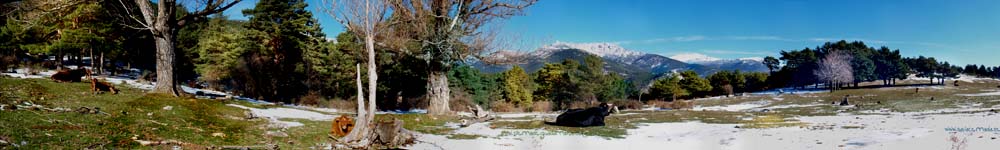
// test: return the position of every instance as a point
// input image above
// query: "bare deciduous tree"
(365, 18)
(448, 31)
(163, 23)
(835, 69)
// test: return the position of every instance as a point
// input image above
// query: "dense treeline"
(557, 83)
(833, 65)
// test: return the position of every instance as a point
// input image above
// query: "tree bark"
(372, 75)
(361, 135)
(165, 54)
(438, 93)
(361, 123)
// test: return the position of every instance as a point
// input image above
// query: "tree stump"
(385, 135)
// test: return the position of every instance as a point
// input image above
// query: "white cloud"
(676, 39)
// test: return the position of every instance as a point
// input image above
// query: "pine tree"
(694, 84)
(219, 50)
(667, 87)
(274, 68)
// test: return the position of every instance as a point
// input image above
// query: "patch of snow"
(274, 114)
(736, 107)
(789, 106)
(757, 59)
(791, 90)
(825, 132)
(972, 79)
(994, 93)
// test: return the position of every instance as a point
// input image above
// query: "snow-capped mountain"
(603, 50)
(634, 65)
(694, 58)
(743, 64)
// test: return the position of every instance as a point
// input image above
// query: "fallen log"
(478, 115)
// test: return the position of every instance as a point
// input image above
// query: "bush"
(343, 105)
(460, 102)
(582, 104)
(541, 106)
(628, 104)
(7, 63)
(682, 104)
(658, 104)
(505, 107)
(310, 99)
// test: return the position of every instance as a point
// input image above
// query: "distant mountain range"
(634, 65)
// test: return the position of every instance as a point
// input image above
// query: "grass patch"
(422, 123)
(130, 114)
(771, 121)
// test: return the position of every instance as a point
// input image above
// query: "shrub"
(460, 102)
(505, 107)
(343, 105)
(628, 104)
(658, 104)
(310, 99)
(7, 63)
(682, 104)
(582, 104)
(541, 106)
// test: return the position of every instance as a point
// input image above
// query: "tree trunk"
(100, 65)
(165, 82)
(92, 66)
(438, 93)
(372, 75)
(361, 135)
(361, 123)
(163, 25)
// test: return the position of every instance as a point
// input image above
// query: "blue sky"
(958, 31)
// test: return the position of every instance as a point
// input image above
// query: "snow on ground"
(736, 107)
(992, 93)
(972, 79)
(824, 132)
(791, 90)
(273, 114)
(790, 106)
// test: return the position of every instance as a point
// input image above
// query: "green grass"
(126, 115)
(132, 113)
